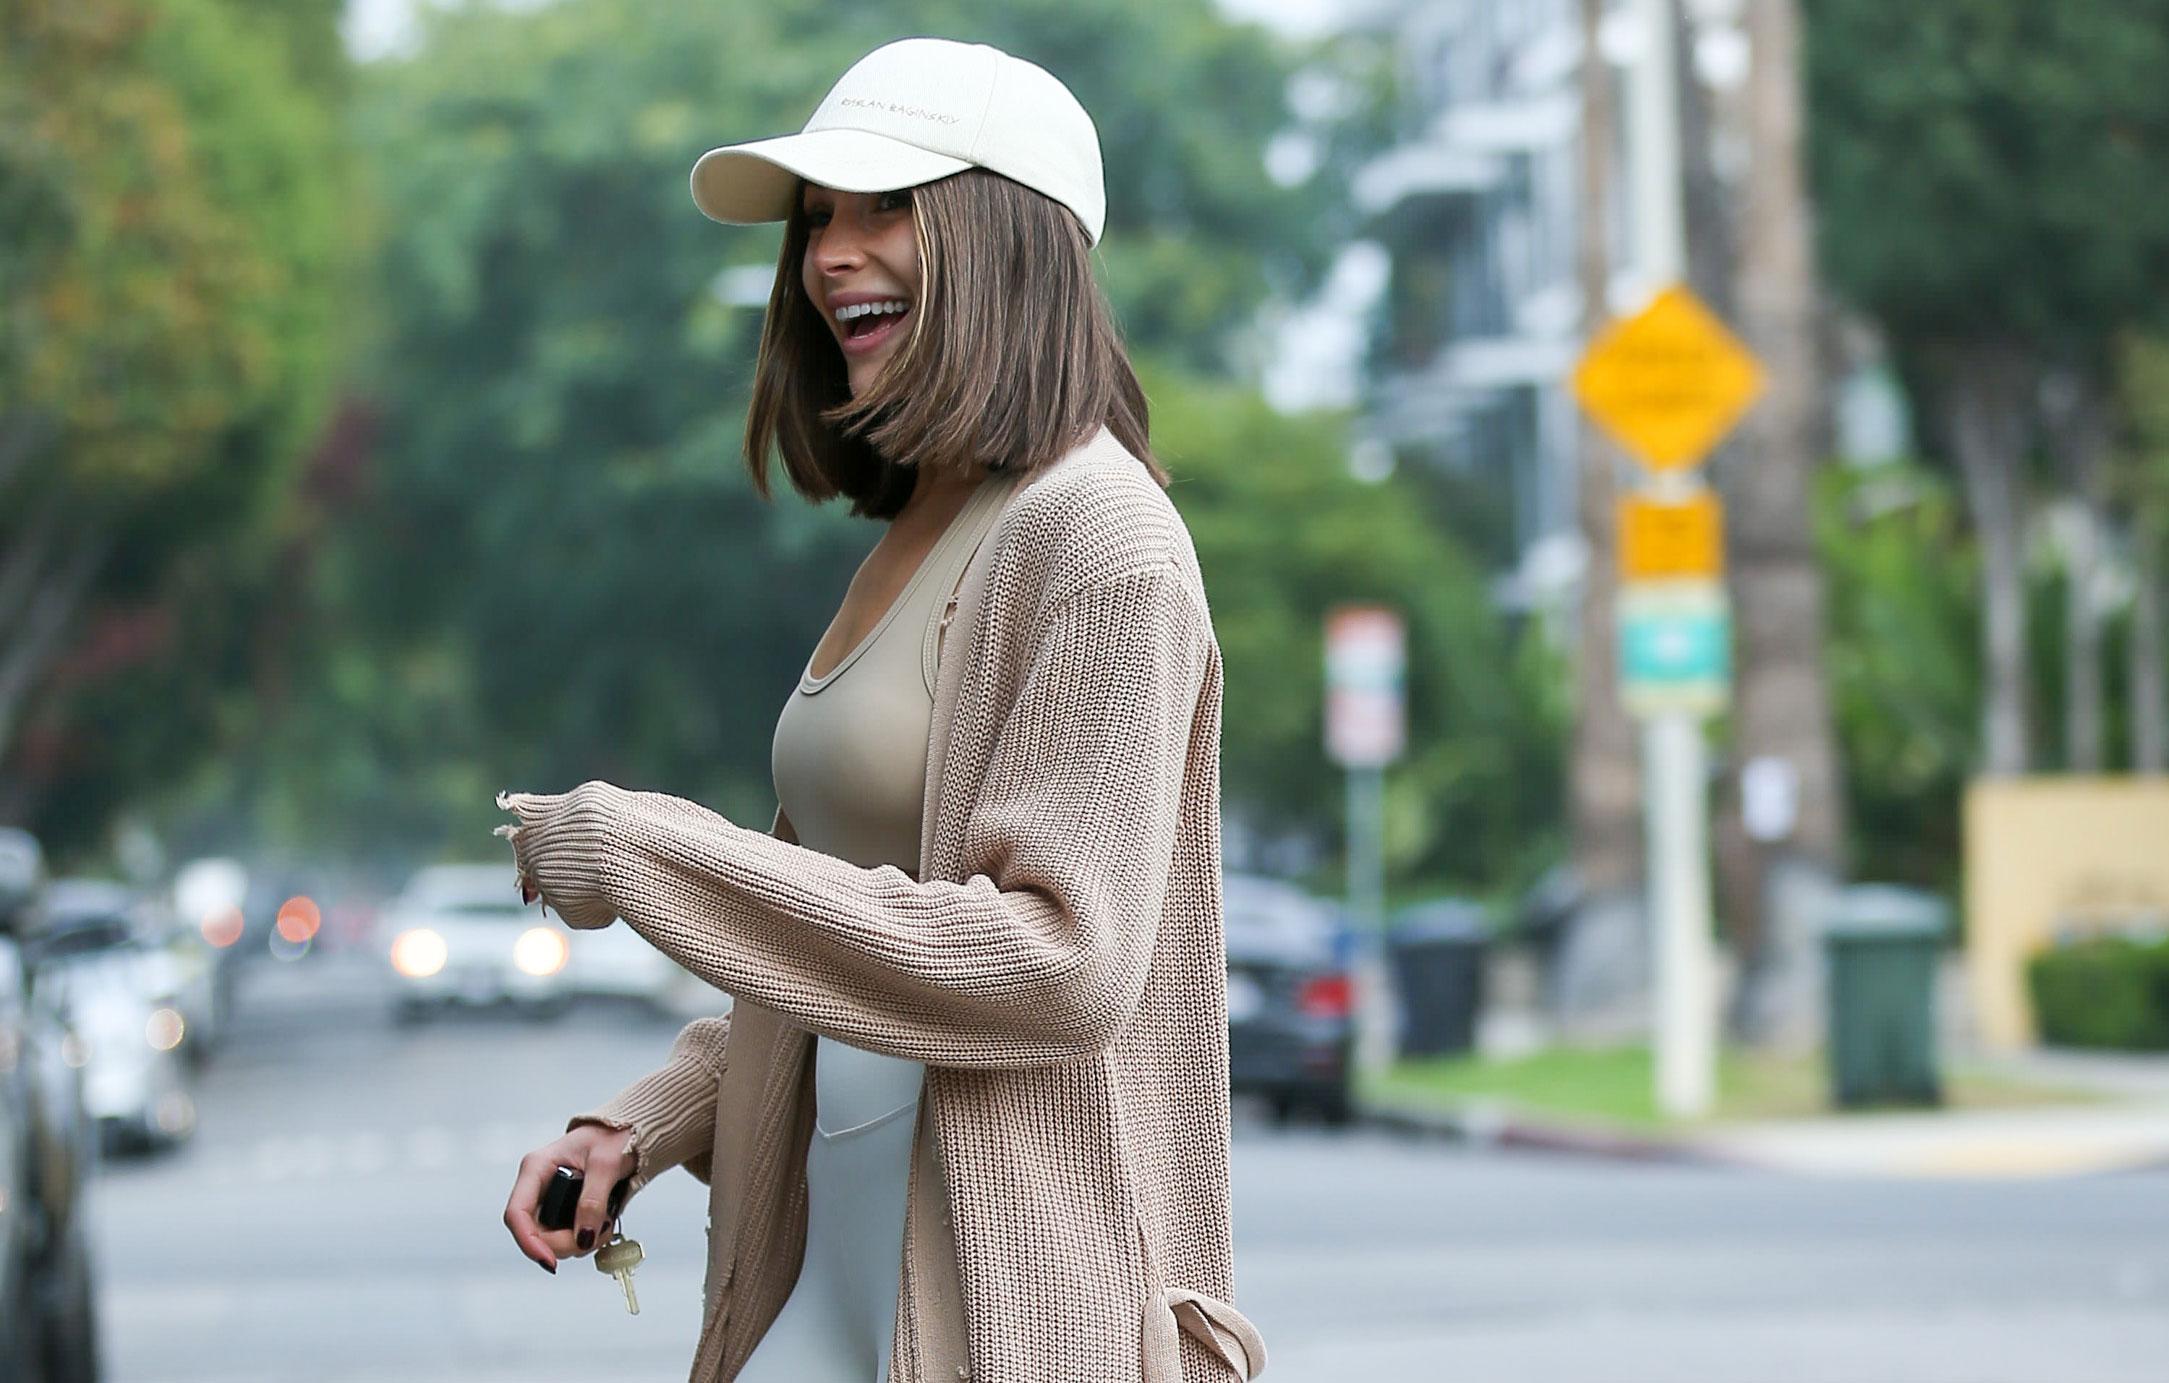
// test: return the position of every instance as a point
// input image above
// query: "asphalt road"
(335, 1220)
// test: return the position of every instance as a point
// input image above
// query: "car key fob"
(562, 1197)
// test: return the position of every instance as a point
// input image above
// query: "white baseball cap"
(910, 112)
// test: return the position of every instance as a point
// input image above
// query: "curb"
(1488, 1126)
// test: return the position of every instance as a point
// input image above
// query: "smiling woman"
(968, 1115)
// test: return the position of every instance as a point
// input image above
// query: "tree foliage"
(1283, 534)
(1994, 187)
(171, 280)
(1988, 168)
(562, 528)
(1905, 675)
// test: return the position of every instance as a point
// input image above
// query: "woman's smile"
(863, 321)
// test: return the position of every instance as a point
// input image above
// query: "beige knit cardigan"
(1057, 965)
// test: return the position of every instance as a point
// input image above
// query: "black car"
(1291, 999)
(48, 1331)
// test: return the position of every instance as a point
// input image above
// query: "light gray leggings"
(838, 1322)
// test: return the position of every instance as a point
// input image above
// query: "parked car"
(48, 1325)
(618, 962)
(200, 993)
(98, 954)
(1291, 999)
(458, 934)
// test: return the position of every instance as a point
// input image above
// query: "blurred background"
(1696, 764)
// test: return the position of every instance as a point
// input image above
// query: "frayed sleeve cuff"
(671, 1111)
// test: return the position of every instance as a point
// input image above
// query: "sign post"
(1365, 730)
(1667, 384)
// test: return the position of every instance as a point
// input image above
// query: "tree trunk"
(2076, 414)
(1783, 733)
(1598, 963)
(1985, 387)
(1606, 788)
(2149, 698)
(43, 630)
(27, 564)
(1711, 250)
(23, 438)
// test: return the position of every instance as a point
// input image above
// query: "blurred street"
(336, 1219)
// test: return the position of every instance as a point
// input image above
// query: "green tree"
(1994, 187)
(2143, 472)
(562, 532)
(1903, 666)
(1284, 533)
(170, 277)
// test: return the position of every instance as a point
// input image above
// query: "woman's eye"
(817, 216)
(893, 201)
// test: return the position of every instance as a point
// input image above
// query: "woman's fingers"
(605, 1164)
(536, 1169)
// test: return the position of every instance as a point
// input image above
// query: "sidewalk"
(2125, 1127)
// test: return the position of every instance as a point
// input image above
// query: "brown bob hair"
(1012, 360)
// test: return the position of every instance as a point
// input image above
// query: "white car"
(121, 995)
(459, 934)
(619, 962)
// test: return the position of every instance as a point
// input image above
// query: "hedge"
(2103, 992)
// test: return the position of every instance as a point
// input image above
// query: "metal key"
(618, 1258)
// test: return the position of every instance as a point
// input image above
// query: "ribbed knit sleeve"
(671, 1111)
(1040, 956)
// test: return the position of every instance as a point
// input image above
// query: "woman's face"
(862, 261)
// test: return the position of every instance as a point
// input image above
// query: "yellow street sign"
(1669, 382)
(1660, 539)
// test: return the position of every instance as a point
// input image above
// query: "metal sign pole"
(1365, 728)
(1679, 890)
(1673, 753)
(1366, 902)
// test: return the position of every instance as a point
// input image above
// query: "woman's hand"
(560, 848)
(598, 1154)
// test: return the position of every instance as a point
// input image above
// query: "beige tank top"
(849, 760)
(849, 756)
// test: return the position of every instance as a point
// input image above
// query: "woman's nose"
(842, 245)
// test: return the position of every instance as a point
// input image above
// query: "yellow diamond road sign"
(1669, 382)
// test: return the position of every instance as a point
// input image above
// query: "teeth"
(845, 314)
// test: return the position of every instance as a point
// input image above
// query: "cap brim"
(740, 184)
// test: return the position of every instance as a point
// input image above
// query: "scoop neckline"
(809, 683)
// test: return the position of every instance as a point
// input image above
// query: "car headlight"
(164, 1029)
(418, 954)
(540, 951)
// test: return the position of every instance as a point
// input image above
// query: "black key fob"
(562, 1197)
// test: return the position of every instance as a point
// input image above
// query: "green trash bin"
(1883, 944)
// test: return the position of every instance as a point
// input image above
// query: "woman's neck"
(936, 493)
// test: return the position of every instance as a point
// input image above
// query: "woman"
(990, 896)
